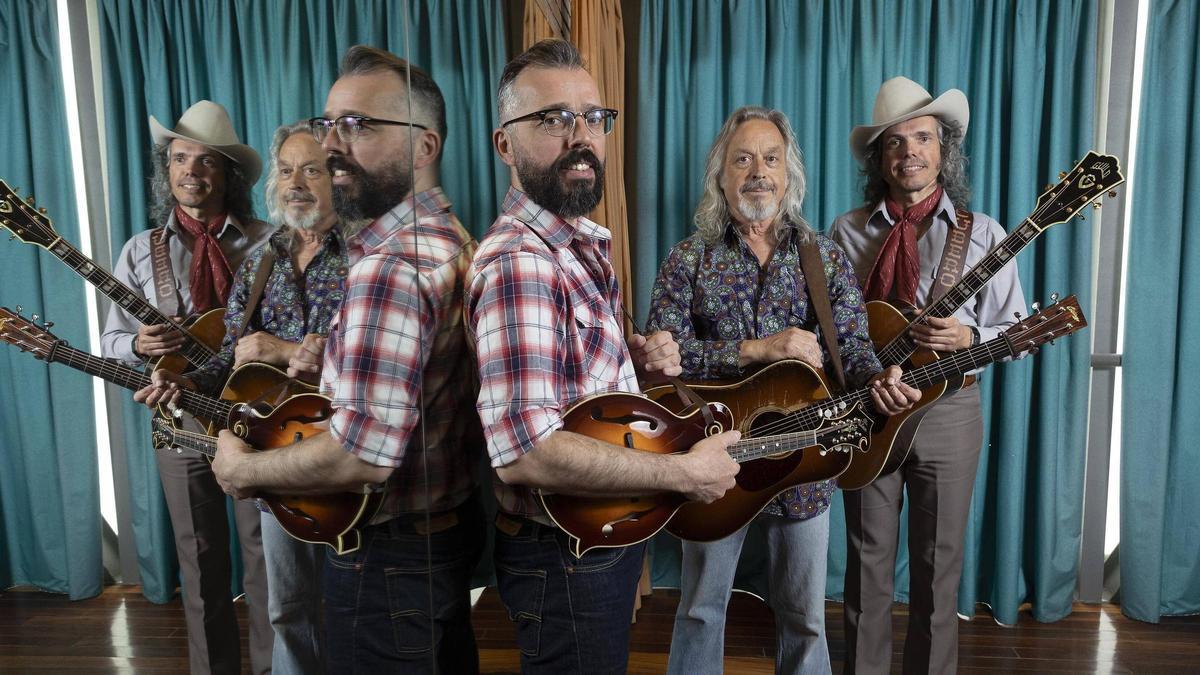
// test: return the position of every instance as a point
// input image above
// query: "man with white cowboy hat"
(914, 228)
(205, 227)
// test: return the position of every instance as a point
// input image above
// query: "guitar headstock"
(1062, 318)
(162, 434)
(26, 335)
(26, 222)
(1093, 176)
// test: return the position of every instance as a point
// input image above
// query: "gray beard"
(307, 221)
(757, 213)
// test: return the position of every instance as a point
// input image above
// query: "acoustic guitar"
(330, 519)
(795, 394)
(202, 334)
(889, 324)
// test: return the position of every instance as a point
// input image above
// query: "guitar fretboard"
(196, 352)
(902, 346)
(124, 376)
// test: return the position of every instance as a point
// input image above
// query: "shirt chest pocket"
(598, 341)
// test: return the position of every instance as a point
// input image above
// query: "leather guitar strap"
(950, 268)
(164, 277)
(818, 295)
(256, 289)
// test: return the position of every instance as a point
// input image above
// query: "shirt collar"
(732, 238)
(431, 202)
(552, 228)
(230, 221)
(944, 208)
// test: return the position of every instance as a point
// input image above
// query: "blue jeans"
(572, 614)
(796, 561)
(378, 598)
(293, 600)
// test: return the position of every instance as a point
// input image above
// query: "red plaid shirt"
(542, 311)
(399, 337)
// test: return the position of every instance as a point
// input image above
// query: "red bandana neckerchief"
(210, 273)
(898, 264)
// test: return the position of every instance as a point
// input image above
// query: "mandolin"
(330, 519)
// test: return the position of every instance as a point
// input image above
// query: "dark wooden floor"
(121, 632)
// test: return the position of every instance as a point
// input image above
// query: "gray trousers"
(939, 476)
(197, 507)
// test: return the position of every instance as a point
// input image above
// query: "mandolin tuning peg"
(1096, 205)
(48, 325)
(42, 211)
(1112, 193)
(35, 318)
(1054, 297)
(1018, 315)
(1037, 307)
(20, 309)
(1047, 187)
(29, 199)
(11, 237)
(1062, 175)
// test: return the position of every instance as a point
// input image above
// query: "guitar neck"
(191, 440)
(196, 352)
(119, 374)
(902, 346)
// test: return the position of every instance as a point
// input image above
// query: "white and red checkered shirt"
(397, 357)
(543, 311)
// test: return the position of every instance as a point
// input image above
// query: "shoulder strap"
(164, 277)
(818, 295)
(265, 265)
(950, 268)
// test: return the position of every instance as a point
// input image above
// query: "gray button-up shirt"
(134, 269)
(861, 233)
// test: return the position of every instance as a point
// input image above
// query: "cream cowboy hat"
(899, 100)
(208, 124)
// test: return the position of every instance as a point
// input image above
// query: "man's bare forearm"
(571, 463)
(316, 465)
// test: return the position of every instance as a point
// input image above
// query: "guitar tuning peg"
(1018, 315)
(1112, 193)
(20, 309)
(48, 324)
(1047, 187)
(1062, 175)
(11, 237)
(1096, 205)
(35, 318)
(1037, 307)
(29, 199)
(1054, 297)
(42, 211)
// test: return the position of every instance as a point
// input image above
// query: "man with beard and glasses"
(544, 313)
(736, 296)
(401, 384)
(912, 226)
(205, 228)
(303, 270)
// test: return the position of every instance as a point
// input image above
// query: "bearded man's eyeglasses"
(558, 122)
(350, 127)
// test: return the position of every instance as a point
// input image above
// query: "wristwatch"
(974, 335)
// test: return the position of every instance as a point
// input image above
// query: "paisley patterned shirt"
(711, 297)
(291, 306)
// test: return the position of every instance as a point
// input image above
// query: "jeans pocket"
(595, 560)
(523, 592)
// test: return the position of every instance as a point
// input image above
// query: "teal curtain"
(271, 62)
(1160, 458)
(1027, 68)
(49, 487)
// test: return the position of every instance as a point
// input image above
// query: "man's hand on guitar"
(790, 343)
(708, 469)
(261, 347)
(305, 364)
(157, 340)
(230, 450)
(165, 388)
(654, 354)
(890, 394)
(942, 335)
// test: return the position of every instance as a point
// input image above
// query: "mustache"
(339, 163)
(577, 156)
(759, 184)
(299, 196)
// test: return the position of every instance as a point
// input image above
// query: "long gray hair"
(953, 175)
(282, 134)
(712, 214)
(163, 202)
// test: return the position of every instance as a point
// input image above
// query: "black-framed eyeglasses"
(350, 126)
(559, 122)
